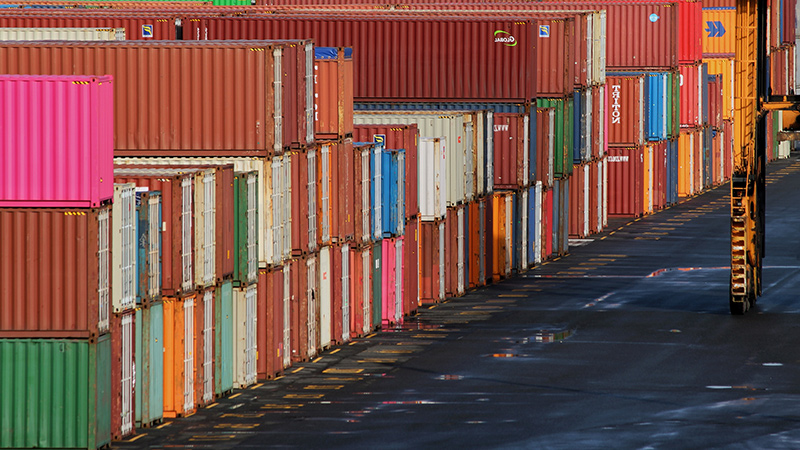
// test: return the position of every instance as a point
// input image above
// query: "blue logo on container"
(544, 31)
(147, 31)
(654, 17)
(715, 29)
(379, 138)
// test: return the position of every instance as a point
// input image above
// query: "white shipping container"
(525, 209)
(244, 336)
(312, 294)
(188, 354)
(208, 346)
(345, 293)
(461, 218)
(325, 301)
(432, 178)
(123, 247)
(127, 380)
(537, 223)
(62, 34)
(205, 239)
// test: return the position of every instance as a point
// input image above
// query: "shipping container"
(691, 94)
(411, 267)
(347, 201)
(727, 128)
(149, 356)
(561, 216)
(659, 175)
(362, 288)
(206, 351)
(626, 108)
(647, 179)
(547, 221)
(502, 234)
(312, 296)
(687, 165)
(269, 335)
(57, 150)
(405, 137)
(137, 26)
(778, 81)
(475, 239)
(362, 191)
(511, 156)
(724, 67)
(56, 272)
(223, 338)
(179, 354)
(534, 224)
(600, 114)
(337, 298)
(177, 233)
(431, 261)
(690, 34)
(123, 248)
(333, 92)
(715, 101)
(392, 282)
(564, 128)
(719, 31)
(344, 275)
(625, 178)
(454, 261)
(432, 178)
(329, 191)
(579, 201)
(62, 34)
(246, 209)
(326, 285)
(545, 144)
(245, 321)
(672, 171)
(148, 246)
(303, 183)
(122, 375)
(156, 109)
(376, 264)
(56, 393)
(387, 195)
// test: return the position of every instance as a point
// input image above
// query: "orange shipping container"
(689, 166)
(719, 32)
(179, 352)
(333, 92)
(503, 216)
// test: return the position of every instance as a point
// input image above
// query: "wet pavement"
(627, 342)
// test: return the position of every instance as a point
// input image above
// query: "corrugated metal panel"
(691, 100)
(62, 34)
(510, 150)
(625, 177)
(432, 178)
(626, 110)
(66, 252)
(123, 238)
(223, 339)
(431, 273)
(57, 147)
(719, 32)
(411, 267)
(246, 211)
(269, 334)
(138, 27)
(57, 393)
(690, 35)
(333, 82)
(149, 364)
(151, 98)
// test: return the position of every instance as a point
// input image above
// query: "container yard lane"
(626, 342)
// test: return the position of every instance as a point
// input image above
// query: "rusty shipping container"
(410, 75)
(55, 275)
(397, 137)
(431, 262)
(333, 92)
(269, 335)
(164, 109)
(511, 156)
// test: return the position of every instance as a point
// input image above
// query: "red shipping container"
(411, 269)
(269, 335)
(397, 137)
(789, 22)
(333, 92)
(690, 89)
(715, 101)
(137, 26)
(349, 199)
(301, 204)
(660, 175)
(579, 201)
(431, 262)
(625, 106)
(690, 35)
(55, 275)
(299, 309)
(506, 72)
(625, 177)
(779, 67)
(545, 145)
(391, 273)
(510, 150)
(163, 109)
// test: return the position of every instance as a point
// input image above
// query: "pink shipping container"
(625, 106)
(510, 150)
(625, 177)
(137, 27)
(690, 89)
(57, 145)
(387, 45)
(392, 294)
(55, 272)
(397, 137)
(690, 35)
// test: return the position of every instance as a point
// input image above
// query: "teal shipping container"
(55, 393)
(149, 390)
(223, 339)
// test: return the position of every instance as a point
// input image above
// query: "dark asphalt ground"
(627, 342)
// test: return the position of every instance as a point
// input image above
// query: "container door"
(325, 204)
(585, 198)
(377, 192)
(186, 234)
(156, 362)
(482, 242)
(309, 108)
(400, 228)
(509, 218)
(311, 158)
(209, 233)
(277, 88)
(460, 217)
(277, 210)
(313, 305)
(441, 261)
(325, 297)
(154, 247)
(345, 293)
(398, 281)
(287, 318)
(104, 266)
(208, 347)
(365, 197)
(251, 295)
(188, 354)
(469, 169)
(124, 255)
(127, 374)
(252, 226)
(367, 291)
(287, 206)
(538, 211)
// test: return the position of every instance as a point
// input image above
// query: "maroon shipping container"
(579, 201)
(715, 101)
(690, 34)
(55, 272)
(299, 309)
(177, 234)
(510, 150)
(269, 336)
(690, 89)
(163, 108)
(789, 22)
(137, 27)
(545, 145)
(431, 262)
(300, 166)
(349, 199)
(660, 175)
(397, 137)
(625, 178)
(333, 93)
(779, 71)
(392, 46)
(411, 269)
(625, 109)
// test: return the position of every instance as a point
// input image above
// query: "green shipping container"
(674, 105)
(245, 238)
(377, 282)
(55, 393)
(223, 339)
(563, 133)
(149, 364)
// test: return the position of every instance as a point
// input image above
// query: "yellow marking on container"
(304, 396)
(336, 351)
(221, 437)
(339, 371)
(138, 436)
(235, 395)
(163, 425)
(512, 295)
(324, 387)
(298, 369)
(317, 360)
(242, 416)
(212, 405)
(236, 426)
(282, 406)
